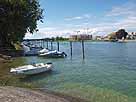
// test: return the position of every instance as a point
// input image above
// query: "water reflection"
(36, 77)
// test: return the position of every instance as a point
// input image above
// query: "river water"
(107, 74)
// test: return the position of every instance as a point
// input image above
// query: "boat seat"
(41, 64)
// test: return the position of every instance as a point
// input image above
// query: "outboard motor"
(65, 55)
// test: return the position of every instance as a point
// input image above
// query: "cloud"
(101, 28)
(129, 23)
(126, 18)
(85, 16)
(126, 9)
(48, 29)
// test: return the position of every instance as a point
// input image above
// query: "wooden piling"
(58, 45)
(51, 45)
(47, 44)
(71, 48)
(83, 51)
(43, 43)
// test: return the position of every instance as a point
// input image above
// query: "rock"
(5, 57)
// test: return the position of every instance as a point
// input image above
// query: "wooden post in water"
(58, 45)
(47, 44)
(51, 45)
(83, 51)
(42, 43)
(71, 48)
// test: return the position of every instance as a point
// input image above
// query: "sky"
(96, 17)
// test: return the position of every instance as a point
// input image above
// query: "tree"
(17, 17)
(121, 34)
(112, 36)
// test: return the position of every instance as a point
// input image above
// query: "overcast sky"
(100, 17)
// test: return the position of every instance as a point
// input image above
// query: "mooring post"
(43, 43)
(71, 48)
(40, 43)
(47, 44)
(83, 51)
(51, 45)
(58, 45)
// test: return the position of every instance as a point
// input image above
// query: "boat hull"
(53, 55)
(30, 70)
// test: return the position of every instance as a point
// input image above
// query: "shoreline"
(16, 94)
(62, 95)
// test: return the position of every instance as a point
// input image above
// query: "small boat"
(32, 69)
(121, 41)
(53, 54)
(113, 40)
(31, 51)
(45, 50)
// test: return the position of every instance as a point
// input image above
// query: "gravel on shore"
(14, 94)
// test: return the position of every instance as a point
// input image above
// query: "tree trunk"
(4, 43)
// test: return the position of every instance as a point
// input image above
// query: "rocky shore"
(5, 58)
(13, 94)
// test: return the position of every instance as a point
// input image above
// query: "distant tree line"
(59, 38)
(17, 17)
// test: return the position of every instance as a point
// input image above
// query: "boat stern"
(13, 71)
(49, 66)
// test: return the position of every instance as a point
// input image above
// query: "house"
(80, 37)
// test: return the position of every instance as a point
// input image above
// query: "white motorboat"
(32, 69)
(53, 54)
(31, 51)
(121, 41)
(45, 50)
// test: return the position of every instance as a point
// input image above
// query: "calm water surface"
(107, 66)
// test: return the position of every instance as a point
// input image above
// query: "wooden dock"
(46, 43)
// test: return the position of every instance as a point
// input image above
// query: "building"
(80, 37)
(98, 38)
(131, 36)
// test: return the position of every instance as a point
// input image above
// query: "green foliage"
(112, 35)
(60, 39)
(17, 17)
(121, 33)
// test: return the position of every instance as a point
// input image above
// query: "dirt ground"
(13, 94)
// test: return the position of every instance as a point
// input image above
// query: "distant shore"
(130, 40)
(14, 94)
